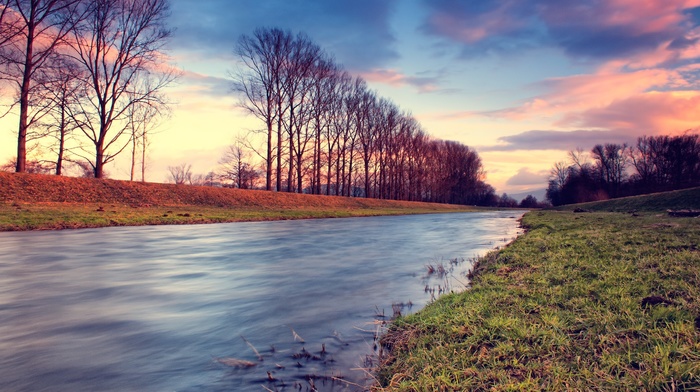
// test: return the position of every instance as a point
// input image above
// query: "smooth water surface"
(166, 308)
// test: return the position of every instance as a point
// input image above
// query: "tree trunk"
(268, 174)
(21, 165)
(61, 142)
(144, 142)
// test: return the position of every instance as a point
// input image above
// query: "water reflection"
(153, 308)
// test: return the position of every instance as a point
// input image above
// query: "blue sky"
(521, 81)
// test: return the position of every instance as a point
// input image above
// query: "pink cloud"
(638, 17)
(586, 91)
(525, 177)
(651, 113)
(588, 29)
(395, 78)
(473, 27)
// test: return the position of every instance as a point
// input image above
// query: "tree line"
(325, 132)
(88, 78)
(653, 164)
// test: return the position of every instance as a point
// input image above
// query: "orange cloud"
(650, 113)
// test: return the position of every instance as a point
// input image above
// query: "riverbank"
(588, 300)
(42, 202)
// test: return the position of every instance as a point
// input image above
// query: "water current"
(284, 305)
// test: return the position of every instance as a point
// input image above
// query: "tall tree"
(61, 96)
(119, 45)
(32, 32)
(142, 120)
(259, 82)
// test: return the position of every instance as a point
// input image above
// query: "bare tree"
(611, 162)
(142, 119)
(10, 24)
(31, 41)
(236, 166)
(259, 83)
(181, 174)
(119, 44)
(61, 95)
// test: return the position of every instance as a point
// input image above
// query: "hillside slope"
(675, 200)
(32, 202)
(32, 188)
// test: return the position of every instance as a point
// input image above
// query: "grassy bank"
(583, 301)
(37, 202)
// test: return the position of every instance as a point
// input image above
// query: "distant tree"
(142, 120)
(32, 166)
(236, 167)
(530, 202)
(611, 162)
(642, 159)
(507, 201)
(181, 174)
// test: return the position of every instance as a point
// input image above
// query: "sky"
(522, 82)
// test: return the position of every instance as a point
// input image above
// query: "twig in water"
(236, 363)
(377, 313)
(296, 336)
(260, 357)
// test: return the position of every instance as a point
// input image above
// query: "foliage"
(591, 301)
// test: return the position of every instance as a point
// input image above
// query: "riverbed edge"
(506, 333)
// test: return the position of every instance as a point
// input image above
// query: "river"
(283, 305)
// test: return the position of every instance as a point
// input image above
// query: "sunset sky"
(520, 81)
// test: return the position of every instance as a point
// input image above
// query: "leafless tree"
(235, 166)
(142, 119)
(119, 45)
(61, 95)
(558, 174)
(10, 24)
(259, 82)
(323, 126)
(611, 162)
(181, 174)
(33, 32)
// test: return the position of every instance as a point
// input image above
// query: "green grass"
(50, 216)
(562, 309)
(677, 200)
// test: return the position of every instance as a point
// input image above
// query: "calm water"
(153, 308)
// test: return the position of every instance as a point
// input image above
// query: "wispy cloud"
(423, 84)
(652, 113)
(206, 84)
(585, 29)
(525, 177)
(558, 140)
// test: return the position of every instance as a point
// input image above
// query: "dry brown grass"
(32, 201)
(32, 188)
